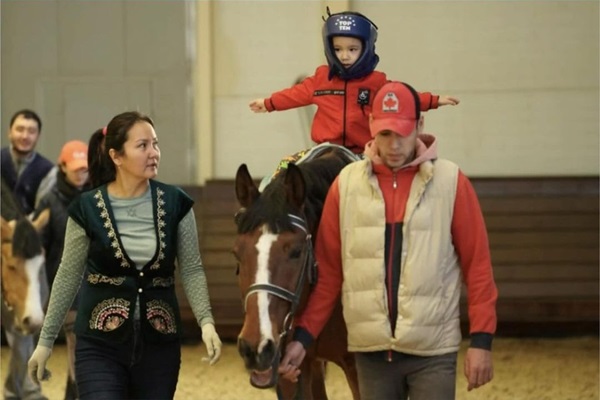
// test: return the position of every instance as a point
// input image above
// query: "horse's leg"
(310, 386)
(287, 390)
(348, 365)
(18, 384)
(317, 384)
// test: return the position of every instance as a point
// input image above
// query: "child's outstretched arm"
(432, 101)
(448, 101)
(258, 106)
(299, 95)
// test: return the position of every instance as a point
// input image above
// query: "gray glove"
(212, 342)
(36, 367)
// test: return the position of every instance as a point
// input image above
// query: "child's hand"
(258, 106)
(448, 101)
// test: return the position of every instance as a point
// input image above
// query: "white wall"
(80, 63)
(526, 73)
(260, 47)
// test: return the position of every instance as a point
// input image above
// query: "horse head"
(275, 264)
(22, 266)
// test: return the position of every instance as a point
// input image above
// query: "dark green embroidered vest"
(112, 282)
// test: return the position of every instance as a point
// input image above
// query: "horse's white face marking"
(33, 309)
(263, 245)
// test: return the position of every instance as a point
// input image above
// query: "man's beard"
(21, 153)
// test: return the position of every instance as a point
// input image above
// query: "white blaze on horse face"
(33, 309)
(263, 245)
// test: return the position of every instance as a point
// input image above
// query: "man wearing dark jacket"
(22, 169)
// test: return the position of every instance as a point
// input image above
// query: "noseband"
(308, 267)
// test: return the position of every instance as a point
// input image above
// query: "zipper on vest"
(389, 356)
(344, 115)
(395, 183)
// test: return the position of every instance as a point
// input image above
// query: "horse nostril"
(267, 354)
(26, 322)
(269, 347)
(245, 350)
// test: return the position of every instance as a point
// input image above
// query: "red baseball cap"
(397, 108)
(74, 155)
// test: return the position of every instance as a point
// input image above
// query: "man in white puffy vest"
(401, 231)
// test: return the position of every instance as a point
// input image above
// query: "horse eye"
(238, 215)
(237, 269)
(295, 253)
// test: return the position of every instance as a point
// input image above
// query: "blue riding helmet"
(356, 25)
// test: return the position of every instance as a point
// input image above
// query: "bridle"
(309, 267)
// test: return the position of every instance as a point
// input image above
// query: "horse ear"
(7, 231)
(295, 187)
(245, 189)
(42, 219)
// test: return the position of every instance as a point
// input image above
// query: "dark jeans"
(408, 376)
(131, 370)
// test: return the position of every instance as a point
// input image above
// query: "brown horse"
(23, 278)
(276, 269)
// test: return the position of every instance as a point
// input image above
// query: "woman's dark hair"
(113, 136)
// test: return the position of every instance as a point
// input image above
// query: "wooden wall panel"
(544, 241)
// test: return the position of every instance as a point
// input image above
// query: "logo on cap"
(345, 23)
(79, 155)
(390, 102)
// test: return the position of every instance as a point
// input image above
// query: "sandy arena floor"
(525, 369)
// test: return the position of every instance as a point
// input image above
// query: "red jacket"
(344, 106)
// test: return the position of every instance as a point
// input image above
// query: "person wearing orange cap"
(401, 231)
(72, 178)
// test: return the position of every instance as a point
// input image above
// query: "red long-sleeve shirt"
(344, 106)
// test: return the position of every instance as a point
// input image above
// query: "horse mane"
(271, 207)
(26, 240)
(10, 208)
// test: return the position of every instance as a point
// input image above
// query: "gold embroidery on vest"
(163, 282)
(160, 213)
(111, 232)
(161, 316)
(109, 314)
(95, 279)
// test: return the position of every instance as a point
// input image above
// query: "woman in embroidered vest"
(122, 242)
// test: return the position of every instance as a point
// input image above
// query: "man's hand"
(212, 342)
(448, 101)
(36, 367)
(478, 367)
(258, 106)
(289, 367)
